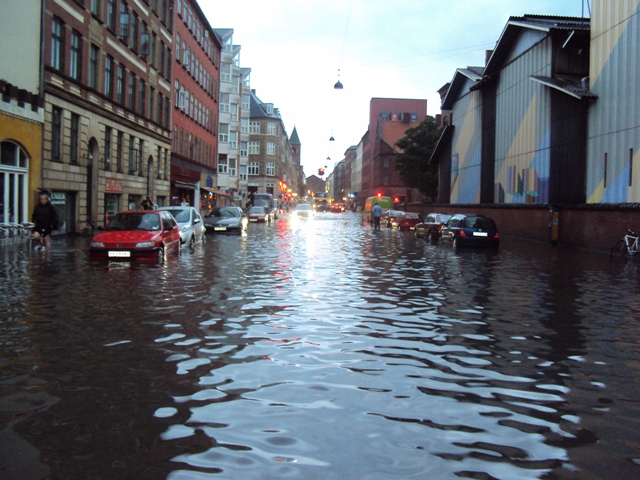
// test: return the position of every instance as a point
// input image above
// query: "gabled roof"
(571, 85)
(459, 79)
(443, 141)
(543, 23)
(258, 109)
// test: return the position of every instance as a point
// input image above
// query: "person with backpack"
(45, 219)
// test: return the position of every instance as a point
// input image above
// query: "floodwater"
(319, 349)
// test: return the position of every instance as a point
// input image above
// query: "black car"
(226, 219)
(470, 230)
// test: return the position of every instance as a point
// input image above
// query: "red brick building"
(196, 80)
(107, 70)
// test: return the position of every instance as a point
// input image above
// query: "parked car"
(192, 229)
(431, 226)
(406, 221)
(470, 230)
(226, 219)
(388, 216)
(137, 234)
(258, 214)
(304, 210)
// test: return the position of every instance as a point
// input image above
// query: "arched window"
(14, 166)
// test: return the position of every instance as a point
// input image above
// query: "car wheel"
(204, 237)
(192, 242)
(454, 242)
(161, 255)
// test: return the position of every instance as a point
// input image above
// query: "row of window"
(191, 106)
(162, 9)
(192, 147)
(198, 30)
(196, 69)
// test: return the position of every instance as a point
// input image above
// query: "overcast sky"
(381, 48)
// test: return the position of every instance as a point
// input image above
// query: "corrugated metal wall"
(488, 169)
(466, 148)
(613, 164)
(522, 152)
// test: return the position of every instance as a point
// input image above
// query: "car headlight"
(97, 244)
(144, 244)
(184, 229)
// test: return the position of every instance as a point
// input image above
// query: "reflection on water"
(319, 349)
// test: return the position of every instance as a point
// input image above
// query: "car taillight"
(462, 234)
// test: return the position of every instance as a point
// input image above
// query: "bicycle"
(628, 246)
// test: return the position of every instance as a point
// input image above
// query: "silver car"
(226, 219)
(192, 229)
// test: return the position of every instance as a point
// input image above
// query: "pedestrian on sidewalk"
(45, 219)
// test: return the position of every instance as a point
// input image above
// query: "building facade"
(107, 73)
(196, 81)
(21, 109)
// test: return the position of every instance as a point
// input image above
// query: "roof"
(571, 85)
(459, 79)
(543, 23)
(294, 140)
(258, 109)
(443, 141)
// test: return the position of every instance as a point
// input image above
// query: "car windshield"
(257, 210)
(224, 212)
(303, 207)
(181, 215)
(479, 222)
(412, 216)
(134, 221)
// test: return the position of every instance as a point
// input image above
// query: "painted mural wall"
(523, 126)
(613, 163)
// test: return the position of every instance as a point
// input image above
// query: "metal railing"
(16, 233)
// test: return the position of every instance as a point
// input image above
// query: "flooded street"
(319, 349)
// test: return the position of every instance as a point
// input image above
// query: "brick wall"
(587, 227)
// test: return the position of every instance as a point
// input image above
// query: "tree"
(413, 163)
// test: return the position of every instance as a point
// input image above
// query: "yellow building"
(21, 109)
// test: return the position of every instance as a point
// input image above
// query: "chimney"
(487, 56)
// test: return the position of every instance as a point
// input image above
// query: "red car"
(137, 234)
(258, 214)
(406, 221)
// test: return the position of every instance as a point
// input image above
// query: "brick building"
(196, 80)
(107, 70)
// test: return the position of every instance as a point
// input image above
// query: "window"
(134, 32)
(233, 140)
(167, 112)
(244, 125)
(225, 72)
(159, 109)
(271, 148)
(254, 127)
(178, 45)
(107, 148)
(57, 43)
(152, 52)
(124, 22)
(13, 183)
(108, 76)
(272, 128)
(254, 168)
(271, 169)
(385, 163)
(246, 102)
(93, 67)
(168, 68)
(243, 172)
(224, 103)
(142, 88)
(186, 56)
(152, 101)
(75, 67)
(222, 163)
(144, 41)
(132, 91)
(75, 138)
(95, 7)
(244, 149)
(234, 112)
(119, 147)
(223, 135)
(111, 15)
(159, 157)
(132, 154)
(56, 133)
(254, 148)
(120, 85)
(161, 60)
(139, 156)
(232, 167)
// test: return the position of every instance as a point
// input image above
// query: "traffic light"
(321, 171)
(396, 200)
(379, 194)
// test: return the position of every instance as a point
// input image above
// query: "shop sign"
(114, 185)
(58, 198)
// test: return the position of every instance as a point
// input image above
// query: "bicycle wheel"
(619, 249)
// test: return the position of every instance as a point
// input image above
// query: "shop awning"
(188, 186)
(217, 192)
